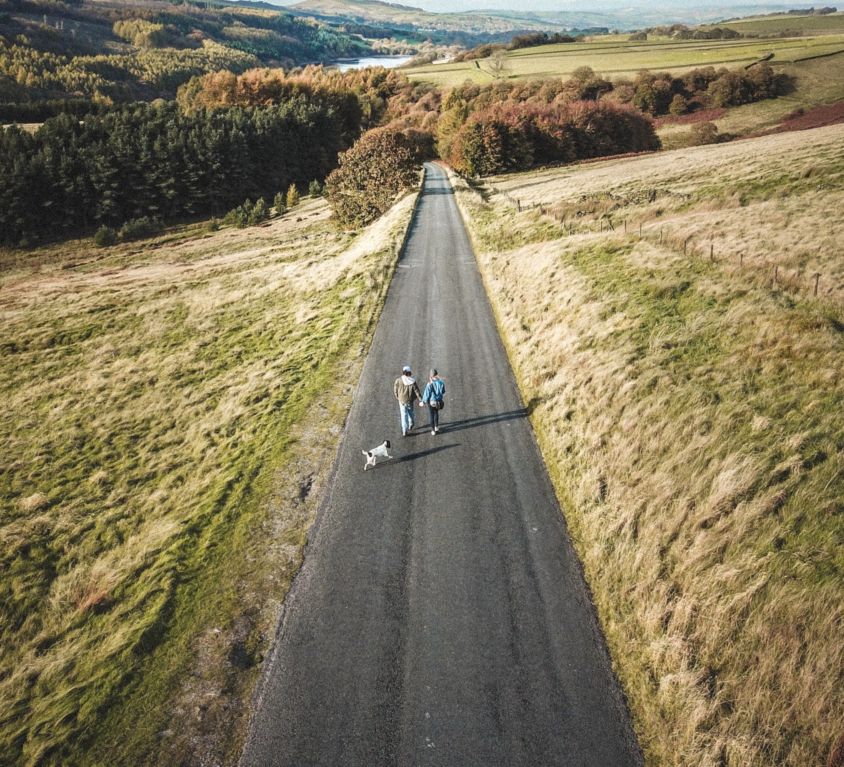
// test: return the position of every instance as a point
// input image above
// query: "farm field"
(815, 24)
(169, 410)
(621, 58)
(684, 384)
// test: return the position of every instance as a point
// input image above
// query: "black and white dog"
(373, 455)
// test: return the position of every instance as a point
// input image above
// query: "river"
(389, 62)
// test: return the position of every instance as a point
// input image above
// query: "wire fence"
(795, 280)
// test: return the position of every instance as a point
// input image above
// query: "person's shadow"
(485, 420)
(465, 423)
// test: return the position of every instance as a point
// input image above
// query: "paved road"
(440, 617)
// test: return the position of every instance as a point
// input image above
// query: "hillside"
(600, 15)
(788, 25)
(167, 408)
(617, 57)
(103, 51)
(625, 17)
(684, 382)
(815, 98)
(466, 28)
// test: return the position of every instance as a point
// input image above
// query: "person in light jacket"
(406, 391)
(433, 398)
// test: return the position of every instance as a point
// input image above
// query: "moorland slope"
(684, 382)
(169, 409)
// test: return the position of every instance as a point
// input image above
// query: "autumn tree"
(381, 164)
(515, 136)
(498, 65)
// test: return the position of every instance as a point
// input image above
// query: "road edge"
(325, 492)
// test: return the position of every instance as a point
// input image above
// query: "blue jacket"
(435, 390)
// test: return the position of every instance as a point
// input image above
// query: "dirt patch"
(818, 117)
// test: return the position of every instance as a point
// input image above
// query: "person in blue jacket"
(433, 397)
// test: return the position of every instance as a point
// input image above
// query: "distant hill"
(468, 28)
(602, 14)
(105, 51)
(633, 16)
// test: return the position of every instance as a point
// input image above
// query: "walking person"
(406, 391)
(433, 397)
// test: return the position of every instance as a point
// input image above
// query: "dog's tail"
(367, 453)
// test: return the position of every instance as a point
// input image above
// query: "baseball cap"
(405, 369)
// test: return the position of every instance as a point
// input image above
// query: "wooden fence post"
(711, 252)
(817, 278)
(519, 205)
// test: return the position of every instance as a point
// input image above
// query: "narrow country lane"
(440, 617)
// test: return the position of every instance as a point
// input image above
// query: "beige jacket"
(406, 390)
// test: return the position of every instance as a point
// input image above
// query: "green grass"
(152, 394)
(620, 58)
(688, 411)
(832, 23)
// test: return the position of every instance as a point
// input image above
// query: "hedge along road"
(440, 616)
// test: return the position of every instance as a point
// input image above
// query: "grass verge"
(689, 413)
(169, 410)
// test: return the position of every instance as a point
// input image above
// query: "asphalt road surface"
(440, 617)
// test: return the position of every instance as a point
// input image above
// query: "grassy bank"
(169, 409)
(688, 409)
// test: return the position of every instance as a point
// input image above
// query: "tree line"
(230, 138)
(519, 136)
(156, 161)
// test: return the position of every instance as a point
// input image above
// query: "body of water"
(390, 62)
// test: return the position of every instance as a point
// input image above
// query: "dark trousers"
(435, 417)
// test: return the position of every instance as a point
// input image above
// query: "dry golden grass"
(709, 195)
(690, 415)
(151, 396)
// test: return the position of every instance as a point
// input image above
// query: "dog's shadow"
(414, 456)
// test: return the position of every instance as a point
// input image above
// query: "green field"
(615, 58)
(827, 24)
